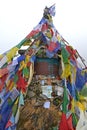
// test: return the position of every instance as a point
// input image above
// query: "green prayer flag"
(77, 95)
(15, 78)
(83, 92)
(14, 109)
(65, 55)
(26, 72)
(65, 101)
(21, 43)
(74, 119)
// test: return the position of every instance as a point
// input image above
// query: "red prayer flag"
(44, 27)
(32, 33)
(63, 123)
(66, 123)
(9, 123)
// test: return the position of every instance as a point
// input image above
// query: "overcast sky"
(19, 17)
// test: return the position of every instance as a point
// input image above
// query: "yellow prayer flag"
(11, 53)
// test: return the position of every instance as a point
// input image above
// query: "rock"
(31, 94)
(38, 118)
